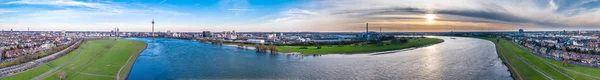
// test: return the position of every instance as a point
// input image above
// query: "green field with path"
(350, 49)
(525, 66)
(98, 60)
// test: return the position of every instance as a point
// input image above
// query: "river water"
(454, 59)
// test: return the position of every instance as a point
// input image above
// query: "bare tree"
(273, 48)
(61, 75)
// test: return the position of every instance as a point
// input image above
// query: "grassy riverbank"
(349, 49)
(526, 66)
(99, 59)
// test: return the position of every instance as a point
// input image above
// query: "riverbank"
(525, 66)
(98, 59)
(360, 48)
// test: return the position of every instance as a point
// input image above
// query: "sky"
(299, 15)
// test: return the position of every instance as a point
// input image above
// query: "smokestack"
(380, 30)
(367, 27)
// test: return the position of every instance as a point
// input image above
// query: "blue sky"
(300, 15)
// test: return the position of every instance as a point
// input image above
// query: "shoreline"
(133, 63)
(370, 53)
(252, 48)
(502, 57)
(384, 51)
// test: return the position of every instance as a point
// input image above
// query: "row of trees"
(263, 48)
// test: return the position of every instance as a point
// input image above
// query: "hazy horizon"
(300, 15)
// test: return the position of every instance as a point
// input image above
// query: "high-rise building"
(233, 32)
(118, 33)
(206, 34)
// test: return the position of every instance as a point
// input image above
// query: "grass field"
(349, 49)
(99, 60)
(526, 66)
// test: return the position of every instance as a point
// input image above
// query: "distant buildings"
(272, 36)
(16, 44)
(370, 36)
(207, 34)
(521, 31)
(255, 41)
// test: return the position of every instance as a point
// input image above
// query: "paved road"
(61, 65)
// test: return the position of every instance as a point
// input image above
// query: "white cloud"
(66, 14)
(170, 12)
(241, 10)
(3, 11)
(162, 1)
(484, 13)
(102, 6)
(236, 6)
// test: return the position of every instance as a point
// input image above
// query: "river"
(455, 59)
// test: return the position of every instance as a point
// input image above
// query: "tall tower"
(367, 27)
(380, 30)
(153, 26)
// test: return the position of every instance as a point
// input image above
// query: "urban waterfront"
(460, 58)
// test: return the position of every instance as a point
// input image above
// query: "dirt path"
(119, 73)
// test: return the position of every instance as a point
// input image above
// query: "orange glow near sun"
(430, 18)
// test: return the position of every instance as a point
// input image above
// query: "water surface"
(460, 58)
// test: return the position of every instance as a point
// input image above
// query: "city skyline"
(300, 15)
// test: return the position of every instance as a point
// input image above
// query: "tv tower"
(152, 26)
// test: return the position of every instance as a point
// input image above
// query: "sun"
(430, 18)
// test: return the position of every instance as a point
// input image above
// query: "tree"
(108, 46)
(273, 48)
(54, 48)
(261, 48)
(564, 58)
(240, 45)
(61, 75)
(304, 45)
(318, 46)
(497, 40)
(19, 46)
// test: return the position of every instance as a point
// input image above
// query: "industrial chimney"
(367, 27)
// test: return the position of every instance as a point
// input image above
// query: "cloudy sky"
(300, 15)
